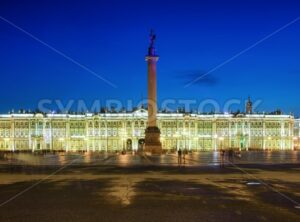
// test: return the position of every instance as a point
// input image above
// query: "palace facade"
(126, 131)
(297, 134)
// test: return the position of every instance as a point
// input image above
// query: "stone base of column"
(152, 140)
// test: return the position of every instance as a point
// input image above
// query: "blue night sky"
(111, 38)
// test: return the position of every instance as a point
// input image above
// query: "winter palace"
(125, 131)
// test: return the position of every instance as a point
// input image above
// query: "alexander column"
(152, 132)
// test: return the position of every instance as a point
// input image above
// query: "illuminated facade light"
(119, 131)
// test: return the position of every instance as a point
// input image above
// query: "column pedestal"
(152, 140)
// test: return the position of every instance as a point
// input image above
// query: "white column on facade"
(34, 135)
(291, 135)
(189, 135)
(124, 132)
(281, 135)
(44, 134)
(236, 138)
(87, 138)
(250, 135)
(197, 134)
(29, 135)
(264, 135)
(229, 134)
(106, 133)
(132, 133)
(67, 141)
(13, 136)
(214, 133)
(94, 135)
(51, 134)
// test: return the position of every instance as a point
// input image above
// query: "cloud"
(188, 76)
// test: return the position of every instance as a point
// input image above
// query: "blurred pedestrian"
(184, 153)
(222, 153)
(179, 156)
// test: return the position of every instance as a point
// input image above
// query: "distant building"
(125, 131)
(297, 134)
(249, 106)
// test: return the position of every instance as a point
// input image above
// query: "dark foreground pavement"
(148, 191)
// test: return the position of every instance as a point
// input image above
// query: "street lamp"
(176, 135)
(123, 136)
(215, 141)
(269, 138)
(296, 142)
(61, 141)
(162, 139)
(221, 142)
(185, 138)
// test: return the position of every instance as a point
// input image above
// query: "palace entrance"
(129, 145)
(141, 143)
(37, 143)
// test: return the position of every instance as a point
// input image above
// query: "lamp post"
(221, 142)
(296, 142)
(61, 140)
(215, 142)
(269, 139)
(162, 140)
(185, 138)
(176, 135)
(123, 139)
